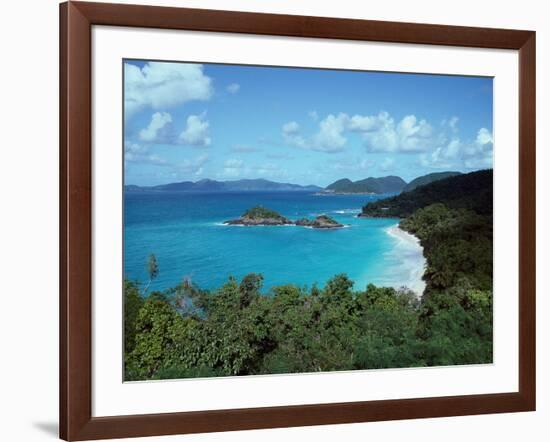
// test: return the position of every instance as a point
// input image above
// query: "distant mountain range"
(387, 184)
(427, 179)
(224, 186)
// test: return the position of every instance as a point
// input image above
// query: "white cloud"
(232, 167)
(484, 137)
(453, 124)
(313, 115)
(366, 123)
(160, 85)
(435, 160)
(155, 159)
(291, 135)
(444, 156)
(330, 138)
(134, 148)
(132, 156)
(291, 128)
(476, 154)
(483, 161)
(409, 127)
(137, 153)
(196, 131)
(381, 134)
(152, 133)
(233, 88)
(450, 124)
(193, 166)
(453, 149)
(140, 154)
(480, 154)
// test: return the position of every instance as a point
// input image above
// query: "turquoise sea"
(186, 233)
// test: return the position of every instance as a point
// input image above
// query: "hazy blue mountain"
(208, 185)
(427, 179)
(132, 188)
(184, 185)
(387, 184)
(262, 184)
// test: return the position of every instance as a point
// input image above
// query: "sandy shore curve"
(414, 261)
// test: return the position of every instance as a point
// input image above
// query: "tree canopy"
(238, 329)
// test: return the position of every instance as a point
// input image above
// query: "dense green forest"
(260, 212)
(239, 329)
(472, 191)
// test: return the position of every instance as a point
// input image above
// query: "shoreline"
(343, 193)
(415, 257)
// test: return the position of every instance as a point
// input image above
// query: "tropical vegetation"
(259, 212)
(240, 329)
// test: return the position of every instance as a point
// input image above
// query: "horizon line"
(302, 185)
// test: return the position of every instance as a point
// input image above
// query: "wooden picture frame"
(76, 21)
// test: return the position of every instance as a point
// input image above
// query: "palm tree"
(152, 269)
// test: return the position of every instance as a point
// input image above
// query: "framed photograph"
(274, 220)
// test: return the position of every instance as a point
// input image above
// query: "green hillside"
(427, 179)
(472, 191)
(387, 184)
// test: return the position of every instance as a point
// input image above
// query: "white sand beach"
(414, 262)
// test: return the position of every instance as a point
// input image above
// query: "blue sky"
(186, 122)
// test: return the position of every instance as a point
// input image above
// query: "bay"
(186, 233)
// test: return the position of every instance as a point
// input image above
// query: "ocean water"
(186, 233)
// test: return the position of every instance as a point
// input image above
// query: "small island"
(320, 222)
(261, 216)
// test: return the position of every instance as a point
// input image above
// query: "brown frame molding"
(76, 421)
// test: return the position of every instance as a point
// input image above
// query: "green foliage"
(152, 266)
(292, 329)
(237, 330)
(152, 270)
(164, 339)
(458, 245)
(260, 212)
(249, 289)
(427, 179)
(455, 320)
(472, 191)
(132, 304)
(457, 330)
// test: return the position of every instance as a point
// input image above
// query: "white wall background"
(29, 218)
